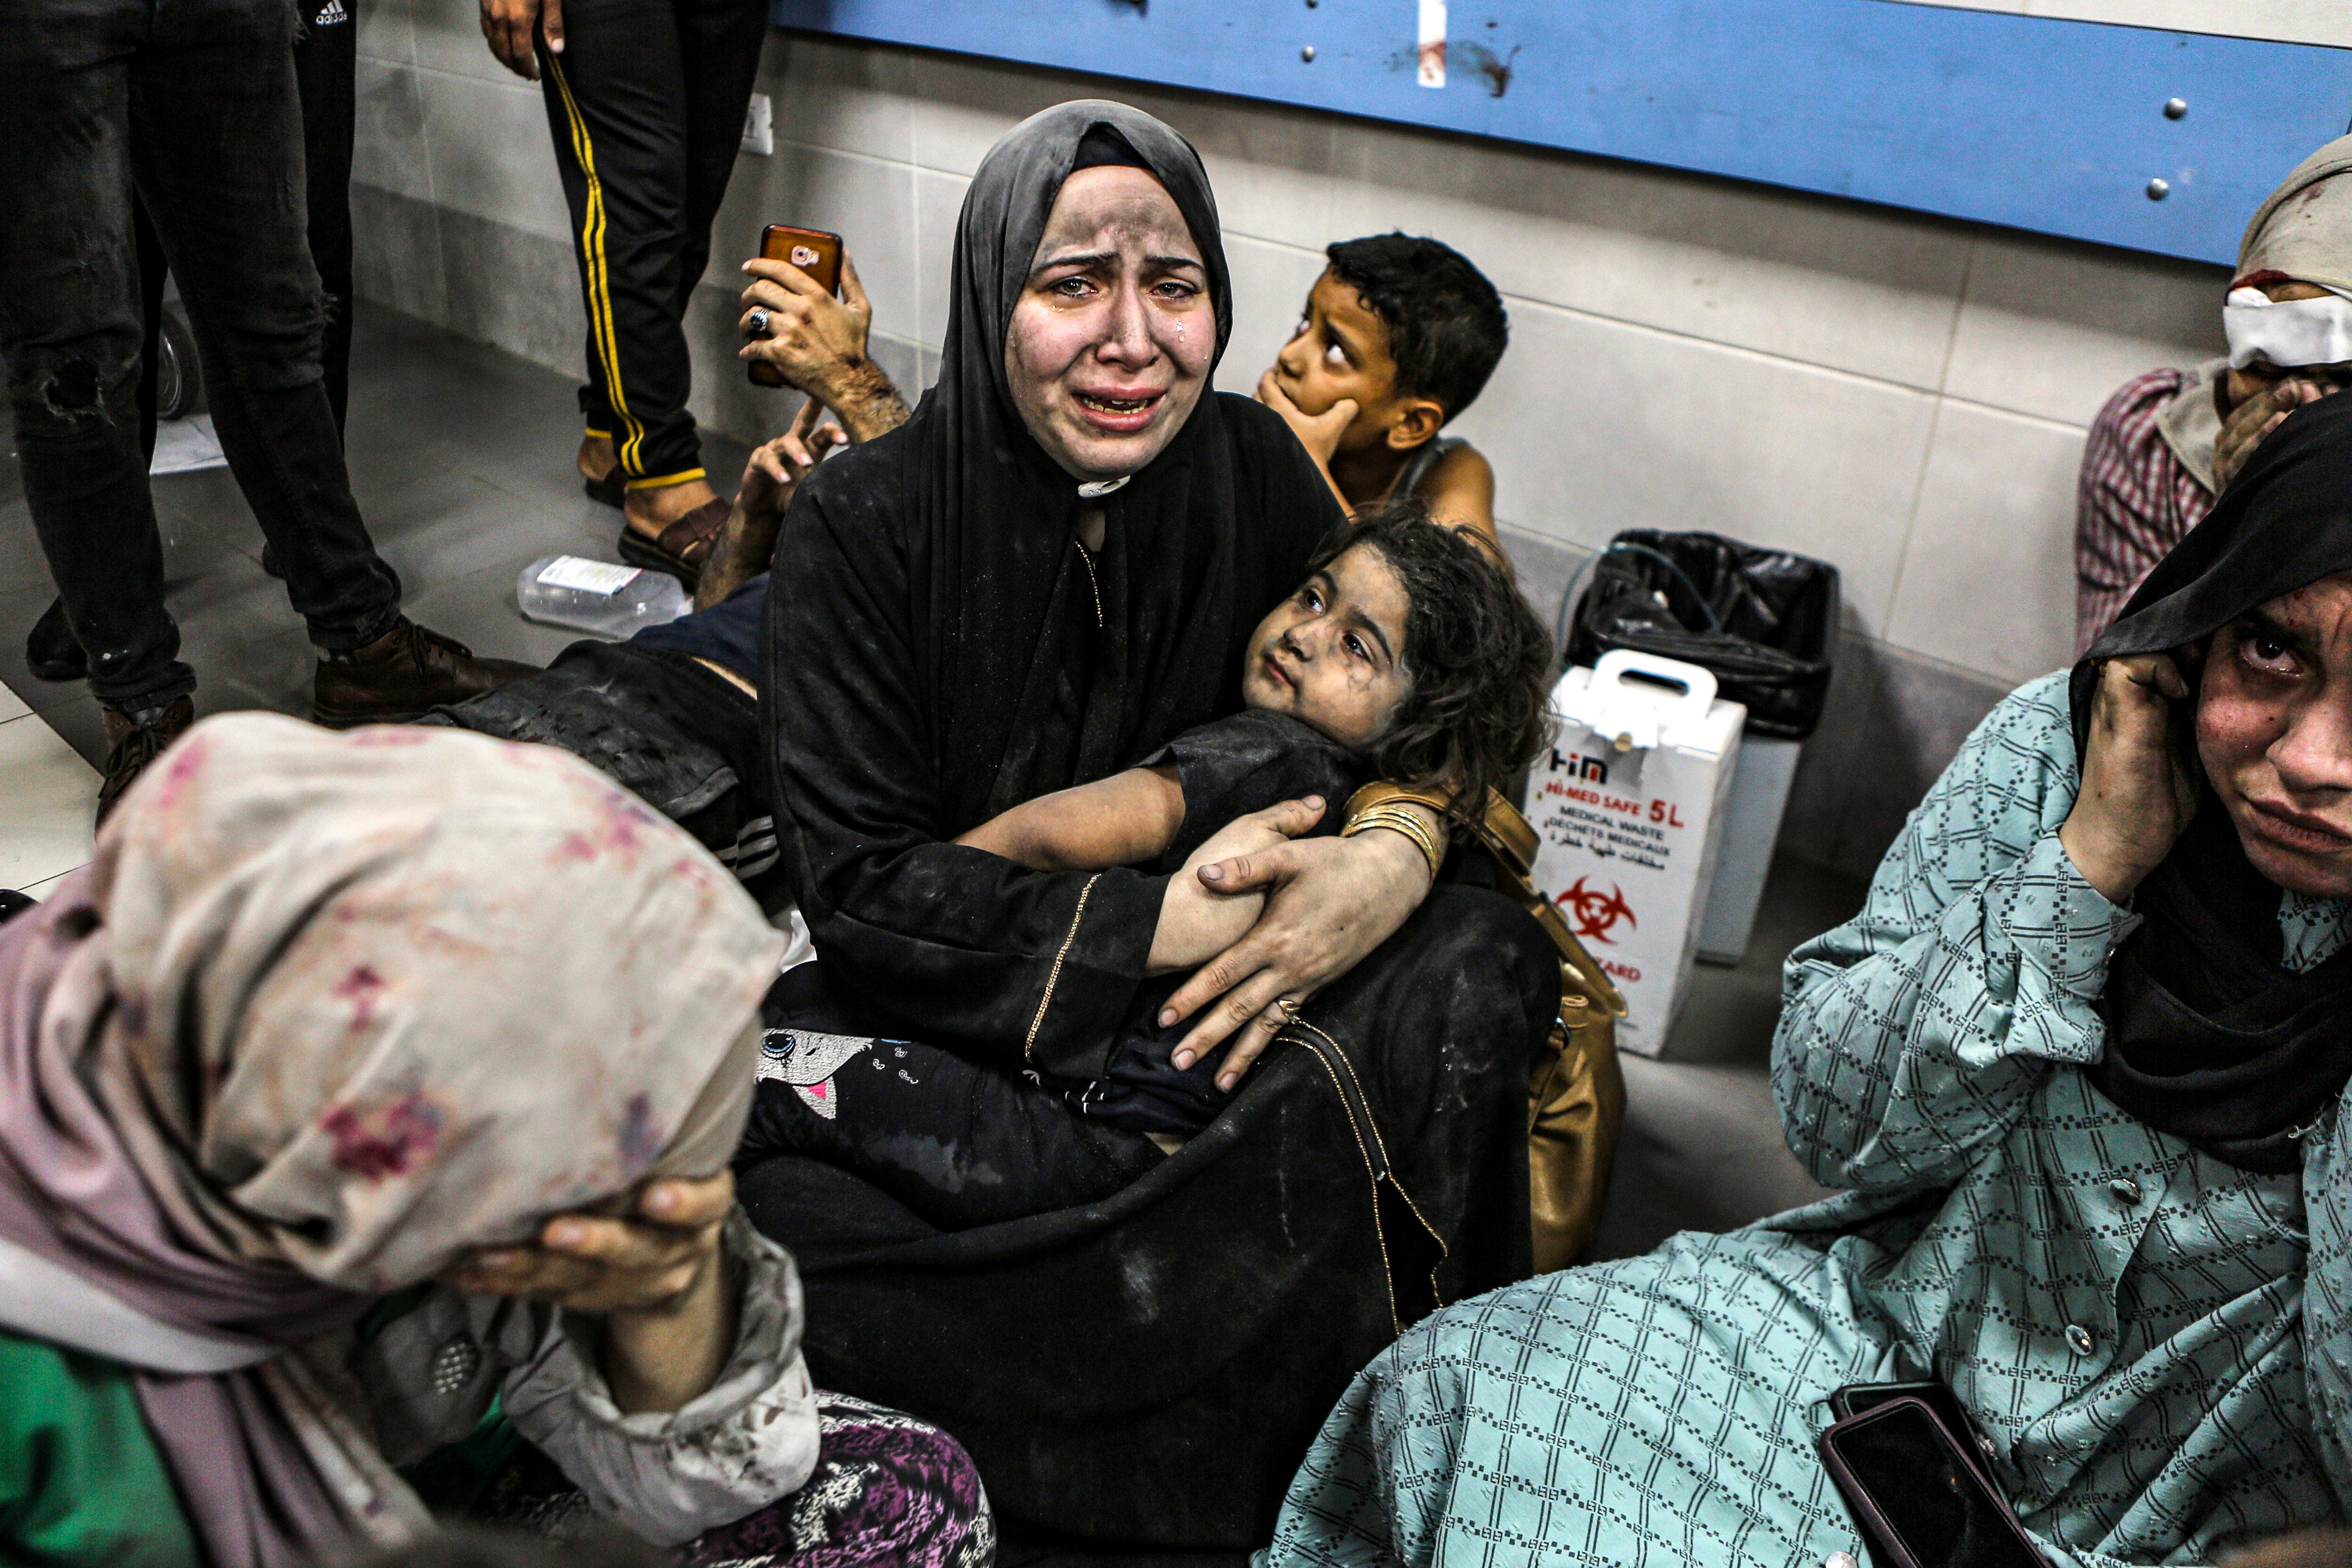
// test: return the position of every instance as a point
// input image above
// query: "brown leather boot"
(401, 675)
(135, 739)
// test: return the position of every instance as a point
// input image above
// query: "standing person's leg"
(719, 42)
(216, 135)
(50, 648)
(616, 102)
(69, 328)
(326, 61)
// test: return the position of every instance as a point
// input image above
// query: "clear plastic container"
(598, 597)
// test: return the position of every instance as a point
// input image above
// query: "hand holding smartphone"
(815, 252)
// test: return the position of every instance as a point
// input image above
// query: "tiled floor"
(461, 459)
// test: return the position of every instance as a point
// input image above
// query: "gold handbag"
(1576, 1096)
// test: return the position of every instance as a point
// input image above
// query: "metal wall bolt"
(2159, 188)
(1307, 53)
(2174, 108)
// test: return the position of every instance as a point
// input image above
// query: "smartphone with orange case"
(814, 252)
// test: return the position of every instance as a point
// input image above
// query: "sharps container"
(1629, 813)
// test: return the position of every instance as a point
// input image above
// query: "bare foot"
(596, 456)
(651, 511)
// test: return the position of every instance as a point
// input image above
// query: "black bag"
(1761, 619)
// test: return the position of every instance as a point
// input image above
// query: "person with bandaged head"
(2169, 442)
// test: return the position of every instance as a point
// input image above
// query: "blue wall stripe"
(2050, 126)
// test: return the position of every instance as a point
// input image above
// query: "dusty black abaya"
(1147, 1370)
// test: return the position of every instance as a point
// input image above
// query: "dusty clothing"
(888, 1492)
(248, 1059)
(83, 1485)
(1148, 1368)
(2304, 228)
(679, 736)
(2146, 480)
(1661, 1410)
(963, 1142)
(2099, 1185)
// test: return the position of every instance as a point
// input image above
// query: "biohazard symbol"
(1595, 916)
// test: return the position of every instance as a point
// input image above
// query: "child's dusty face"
(1331, 654)
(1341, 351)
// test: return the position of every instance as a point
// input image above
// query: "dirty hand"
(1318, 433)
(1197, 922)
(1331, 900)
(508, 25)
(2255, 418)
(2138, 789)
(643, 1261)
(657, 1276)
(817, 341)
(777, 468)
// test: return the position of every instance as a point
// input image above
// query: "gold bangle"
(1398, 819)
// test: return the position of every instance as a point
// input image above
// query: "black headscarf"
(2210, 1036)
(1007, 588)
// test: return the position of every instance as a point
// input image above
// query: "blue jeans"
(191, 103)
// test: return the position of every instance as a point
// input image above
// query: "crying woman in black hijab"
(1042, 579)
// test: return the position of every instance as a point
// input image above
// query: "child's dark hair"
(1447, 329)
(1479, 661)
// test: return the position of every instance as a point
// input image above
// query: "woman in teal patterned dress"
(2077, 1065)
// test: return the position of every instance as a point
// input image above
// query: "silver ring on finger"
(756, 322)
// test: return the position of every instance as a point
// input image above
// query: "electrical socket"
(759, 127)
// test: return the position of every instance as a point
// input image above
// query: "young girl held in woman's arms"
(1407, 654)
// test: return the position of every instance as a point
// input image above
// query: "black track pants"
(646, 105)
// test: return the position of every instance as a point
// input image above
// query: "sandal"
(610, 490)
(683, 546)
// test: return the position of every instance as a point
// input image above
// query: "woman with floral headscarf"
(365, 1088)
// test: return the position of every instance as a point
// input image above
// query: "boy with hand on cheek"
(1398, 335)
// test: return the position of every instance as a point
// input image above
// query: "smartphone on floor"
(1920, 1496)
(814, 252)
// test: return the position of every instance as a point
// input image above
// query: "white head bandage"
(2288, 333)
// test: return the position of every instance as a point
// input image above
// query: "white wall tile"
(1270, 167)
(2051, 329)
(491, 154)
(962, 107)
(1270, 285)
(939, 202)
(1853, 287)
(868, 203)
(837, 97)
(1594, 426)
(389, 148)
(387, 32)
(448, 38)
(1988, 580)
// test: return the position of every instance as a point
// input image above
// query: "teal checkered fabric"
(2157, 1346)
